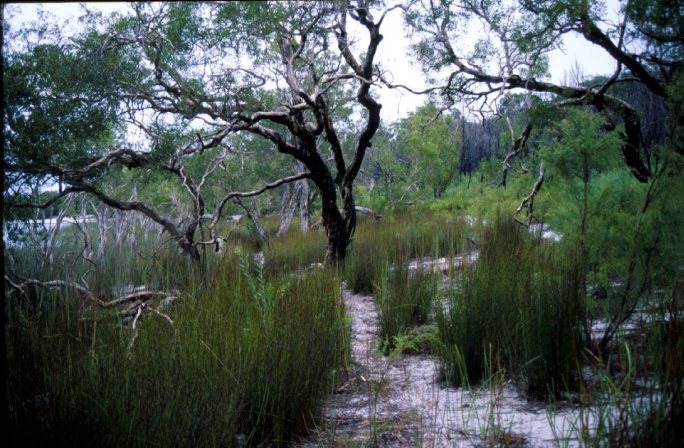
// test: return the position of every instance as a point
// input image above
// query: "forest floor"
(402, 401)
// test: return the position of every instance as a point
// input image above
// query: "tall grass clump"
(522, 304)
(431, 236)
(665, 351)
(363, 267)
(247, 359)
(552, 324)
(405, 301)
(398, 239)
(292, 338)
(373, 247)
(296, 250)
(481, 312)
(640, 394)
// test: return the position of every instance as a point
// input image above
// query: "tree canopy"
(195, 78)
(181, 94)
(517, 38)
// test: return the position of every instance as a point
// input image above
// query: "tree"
(516, 38)
(576, 157)
(61, 122)
(433, 145)
(389, 174)
(194, 78)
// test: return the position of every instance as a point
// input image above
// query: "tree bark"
(101, 218)
(293, 198)
(287, 207)
(255, 220)
(304, 195)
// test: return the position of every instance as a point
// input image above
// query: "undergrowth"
(249, 359)
(523, 299)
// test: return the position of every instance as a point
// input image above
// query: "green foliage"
(416, 340)
(49, 85)
(262, 293)
(405, 298)
(583, 147)
(422, 153)
(435, 147)
(233, 369)
(522, 305)
(393, 171)
(590, 197)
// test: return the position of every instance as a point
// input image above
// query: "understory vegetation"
(247, 358)
(246, 353)
(520, 307)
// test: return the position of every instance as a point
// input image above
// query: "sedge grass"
(521, 301)
(250, 358)
(395, 241)
(405, 301)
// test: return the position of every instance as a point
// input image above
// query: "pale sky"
(391, 54)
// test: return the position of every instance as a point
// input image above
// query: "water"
(544, 232)
(15, 232)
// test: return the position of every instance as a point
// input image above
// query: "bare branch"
(219, 208)
(123, 156)
(528, 202)
(67, 191)
(518, 146)
(129, 205)
(362, 15)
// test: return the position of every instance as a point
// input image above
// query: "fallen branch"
(368, 211)
(144, 296)
(134, 327)
(18, 288)
(138, 316)
(137, 301)
(53, 284)
(167, 319)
